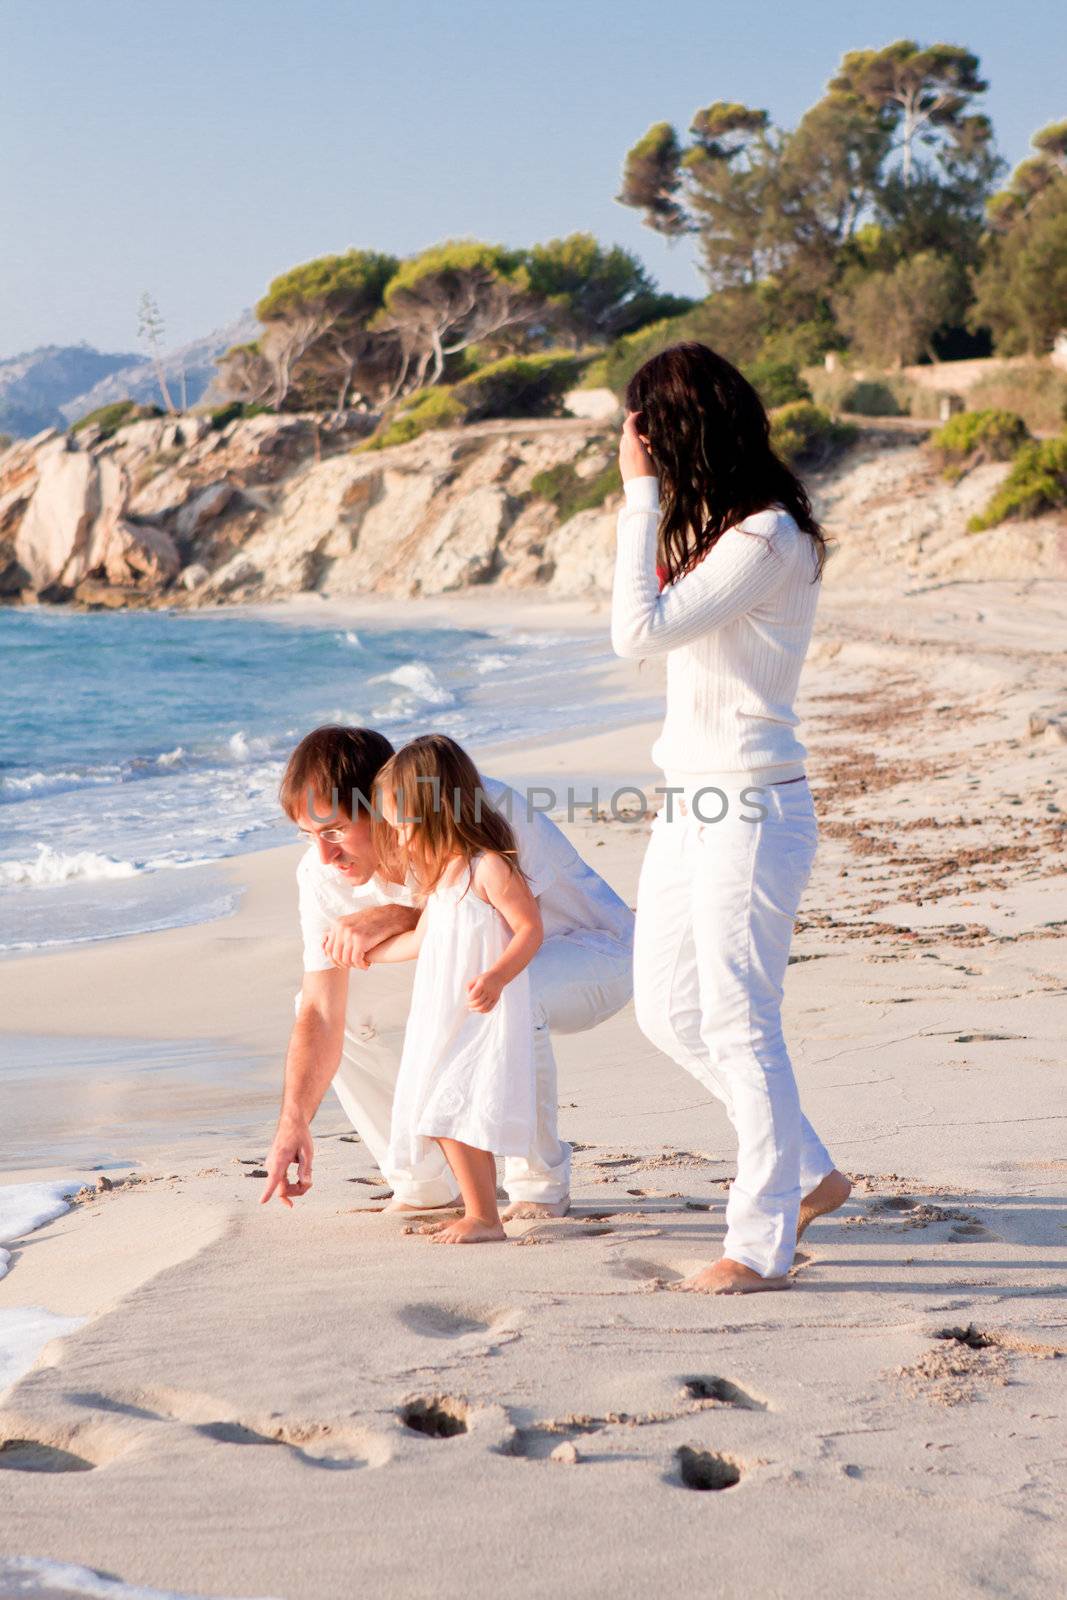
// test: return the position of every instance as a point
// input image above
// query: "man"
(349, 902)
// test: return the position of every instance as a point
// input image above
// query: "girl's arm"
(507, 892)
(402, 946)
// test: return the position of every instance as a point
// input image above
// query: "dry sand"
(311, 1404)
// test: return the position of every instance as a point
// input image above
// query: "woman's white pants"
(577, 979)
(715, 909)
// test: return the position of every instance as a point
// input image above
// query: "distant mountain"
(34, 386)
(53, 386)
(189, 369)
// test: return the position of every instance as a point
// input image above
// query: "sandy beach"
(254, 1402)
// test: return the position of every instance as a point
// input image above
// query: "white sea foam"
(416, 677)
(491, 663)
(24, 1332)
(25, 1206)
(42, 783)
(29, 1578)
(52, 866)
(171, 758)
(353, 638)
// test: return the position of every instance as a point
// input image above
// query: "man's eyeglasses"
(331, 835)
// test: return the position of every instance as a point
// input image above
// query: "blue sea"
(138, 749)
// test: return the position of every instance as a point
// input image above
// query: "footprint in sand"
(720, 1392)
(332, 1445)
(704, 1469)
(33, 1455)
(641, 1269)
(432, 1321)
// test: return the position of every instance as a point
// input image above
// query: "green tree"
(317, 317)
(451, 296)
(1021, 285)
(922, 95)
(891, 317)
(592, 293)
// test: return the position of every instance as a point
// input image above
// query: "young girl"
(466, 1075)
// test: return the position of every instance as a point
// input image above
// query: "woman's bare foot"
(468, 1230)
(829, 1194)
(730, 1277)
(519, 1210)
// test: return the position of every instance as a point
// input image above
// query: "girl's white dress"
(464, 1075)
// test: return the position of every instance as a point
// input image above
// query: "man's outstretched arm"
(311, 1061)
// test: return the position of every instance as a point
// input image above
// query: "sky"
(196, 148)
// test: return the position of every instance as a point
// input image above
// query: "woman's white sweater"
(735, 631)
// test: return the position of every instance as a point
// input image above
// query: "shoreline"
(232, 1352)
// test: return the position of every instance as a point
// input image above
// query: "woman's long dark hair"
(709, 439)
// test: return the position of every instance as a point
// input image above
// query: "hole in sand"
(722, 1391)
(703, 1469)
(29, 1455)
(537, 1443)
(893, 1202)
(438, 1416)
(970, 1336)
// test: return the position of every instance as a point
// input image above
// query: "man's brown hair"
(334, 767)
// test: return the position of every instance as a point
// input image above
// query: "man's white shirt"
(571, 895)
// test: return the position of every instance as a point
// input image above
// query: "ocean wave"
(44, 783)
(491, 663)
(418, 679)
(52, 867)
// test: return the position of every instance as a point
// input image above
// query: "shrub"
(1035, 390)
(569, 493)
(805, 435)
(971, 437)
(222, 416)
(435, 407)
(118, 414)
(776, 382)
(520, 386)
(870, 398)
(1037, 482)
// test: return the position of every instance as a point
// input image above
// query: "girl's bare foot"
(829, 1194)
(730, 1277)
(468, 1230)
(519, 1210)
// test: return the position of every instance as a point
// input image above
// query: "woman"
(731, 849)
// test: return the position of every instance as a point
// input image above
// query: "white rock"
(53, 536)
(459, 551)
(192, 576)
(596, 405)
(237, 573)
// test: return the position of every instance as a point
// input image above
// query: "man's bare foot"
(468, 1230)
(730, 1277)
(520, 1210)
(829, 1194)
(442, 1205)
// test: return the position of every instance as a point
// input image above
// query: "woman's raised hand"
(634, 459)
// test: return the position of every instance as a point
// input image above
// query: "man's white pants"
(715, 908)
(577, 980)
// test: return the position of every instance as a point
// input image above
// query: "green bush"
(1035, 390)
(520, 386)
(871, 398)
(118, 414)
(777, 383)
(222, 416)
(805, 435)
(972, 437)
(435, 407)
(569, 493)
(1037, 482)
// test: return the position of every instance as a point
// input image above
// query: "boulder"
(53, 536)
(461, 549)
(582, 552)
(204, 507)
(595, 405)
(240, 572)
(192, 576)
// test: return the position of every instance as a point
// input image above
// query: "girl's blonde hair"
(434, 783)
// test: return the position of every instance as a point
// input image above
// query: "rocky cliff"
(176, 512)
